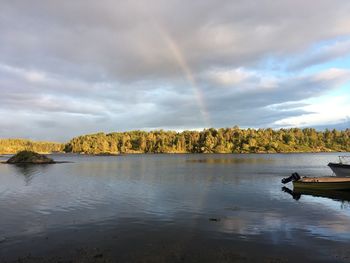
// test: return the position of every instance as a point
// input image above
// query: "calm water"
(171, 208)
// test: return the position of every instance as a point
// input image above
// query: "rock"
(29, 157)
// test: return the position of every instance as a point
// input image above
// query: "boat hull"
(335, 186)
(340, 169)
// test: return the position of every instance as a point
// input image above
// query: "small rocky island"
(29, 157)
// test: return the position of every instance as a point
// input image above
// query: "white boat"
(342, 168)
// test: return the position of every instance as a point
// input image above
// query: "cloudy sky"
(75, 67)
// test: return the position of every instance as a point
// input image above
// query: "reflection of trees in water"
(230, 160)
(341, 196)
(29, 171)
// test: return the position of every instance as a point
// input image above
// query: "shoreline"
(5, 155)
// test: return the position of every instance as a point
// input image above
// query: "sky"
(75, 67)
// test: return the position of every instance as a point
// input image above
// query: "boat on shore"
(342, 168)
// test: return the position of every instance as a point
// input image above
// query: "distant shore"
(223, 140)
(6, 155)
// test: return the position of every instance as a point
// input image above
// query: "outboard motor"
(294, 177)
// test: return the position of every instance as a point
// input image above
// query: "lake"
(170, 208)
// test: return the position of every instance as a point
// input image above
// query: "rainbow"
(180, 60)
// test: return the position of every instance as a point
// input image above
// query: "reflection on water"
(295, 195)
(343, 196)
(225, 160)
(138, 204)
(29, 171)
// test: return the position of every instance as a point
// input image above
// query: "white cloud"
(34, 76)
(333, 74)
(27, 74)
(229, 77)
(327, 109)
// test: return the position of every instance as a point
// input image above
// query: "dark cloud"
(126, 39)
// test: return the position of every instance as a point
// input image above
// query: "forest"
(10, 146)
(223, 140)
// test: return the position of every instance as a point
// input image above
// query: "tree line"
(10, 146)
(223, 140)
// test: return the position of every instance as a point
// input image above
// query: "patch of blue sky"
(283, 66)
(328, 42)
(340, 63)
(341, 95)
(322, 48)
(274, 66)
